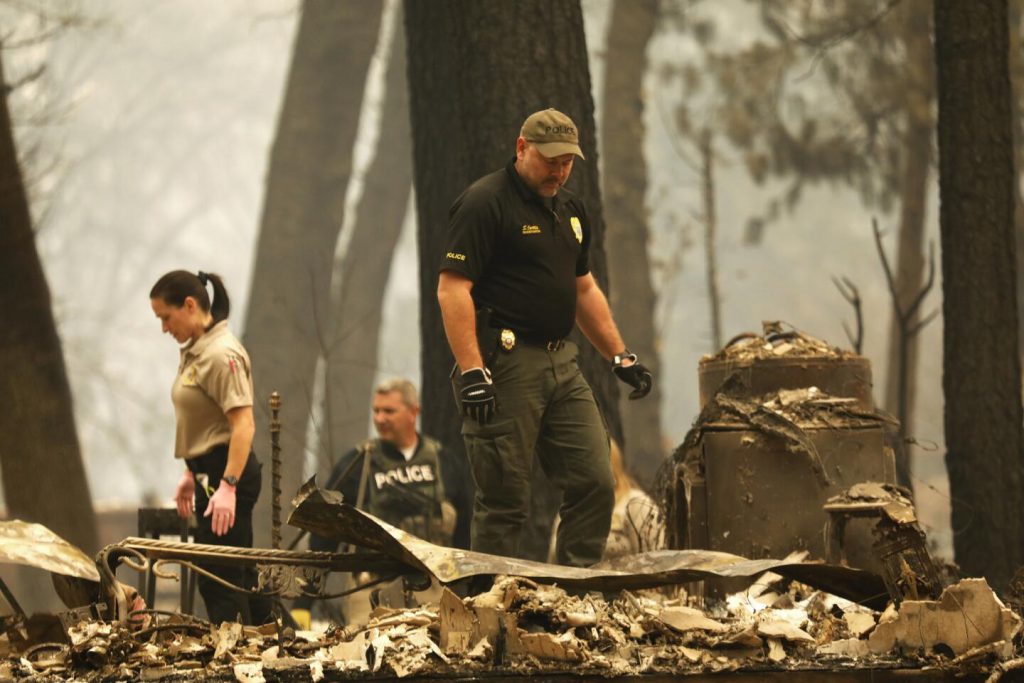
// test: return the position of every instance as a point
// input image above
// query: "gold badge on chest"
(577, 228)
(507, 339)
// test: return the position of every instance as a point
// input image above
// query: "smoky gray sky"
(150, 133)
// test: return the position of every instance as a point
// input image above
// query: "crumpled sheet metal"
(322, 512)
(34, 545)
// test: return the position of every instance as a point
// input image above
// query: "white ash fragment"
(859, 623)
(249, 672)
(967, 615)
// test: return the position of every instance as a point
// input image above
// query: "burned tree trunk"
(351, 356)
(901, 377)
(1016, 56)
(981, 379)
(707, 159)
(310, 165)
(624, 184)
(43, 476)
(477, 69)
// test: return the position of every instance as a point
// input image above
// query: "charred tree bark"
(624, 184)
(901, 377)
(1016, 16)
(707, 157)
(477, 69)
(981, 379)
(310, 166)
(43, 475)
(351, 357)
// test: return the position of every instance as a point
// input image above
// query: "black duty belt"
(507, 340)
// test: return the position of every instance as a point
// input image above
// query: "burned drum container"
(787, 421)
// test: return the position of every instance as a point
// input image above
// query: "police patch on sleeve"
(577, 228)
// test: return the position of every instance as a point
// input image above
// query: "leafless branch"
(916, 303)
(914, 329)
(906, 327)
(850, 292)
(825, 41)
(885, 263)
(24, 80)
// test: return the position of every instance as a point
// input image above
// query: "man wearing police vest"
(399, 477)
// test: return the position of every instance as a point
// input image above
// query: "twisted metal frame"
(282, 573)
(275, 472)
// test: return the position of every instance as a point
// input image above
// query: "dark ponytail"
(176, 285)
(220, 307)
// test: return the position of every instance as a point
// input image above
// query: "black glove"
(635, 375)
(479, 400)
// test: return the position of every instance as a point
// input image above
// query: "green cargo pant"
(544, 405)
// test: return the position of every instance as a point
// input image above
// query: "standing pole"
(275, 471)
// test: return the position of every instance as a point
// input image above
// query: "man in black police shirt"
(514, 277)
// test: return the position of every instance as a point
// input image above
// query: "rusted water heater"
(787, 421)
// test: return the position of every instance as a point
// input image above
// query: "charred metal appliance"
(786, 422)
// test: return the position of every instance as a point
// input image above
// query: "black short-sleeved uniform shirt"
(523, 253)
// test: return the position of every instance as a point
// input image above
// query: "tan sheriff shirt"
(214, 376)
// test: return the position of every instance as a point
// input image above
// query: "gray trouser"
(544, 405)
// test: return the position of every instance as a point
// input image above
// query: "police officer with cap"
(515, 276)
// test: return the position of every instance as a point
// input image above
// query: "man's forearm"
(594, 317)
(459, 316)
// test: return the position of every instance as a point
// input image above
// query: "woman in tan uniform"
(213, 397)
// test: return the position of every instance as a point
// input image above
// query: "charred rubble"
(783, 417)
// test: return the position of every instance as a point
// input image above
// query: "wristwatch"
(231, 479)
(625, 355)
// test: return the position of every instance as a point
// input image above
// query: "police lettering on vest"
(404, 475)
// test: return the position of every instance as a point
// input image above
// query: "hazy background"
(146, 142)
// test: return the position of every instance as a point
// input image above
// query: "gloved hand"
(222, 508)
(184, 494)
(479, 400)
(303, 619)
(634, 374)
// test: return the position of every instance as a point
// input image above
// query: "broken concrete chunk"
(784, 630)
(745, 638)
(859, 623)
(796, 616)
(249, 672)
(688, 619)
(496, 626)
(380, 643)
(226, 638)
(481, 651)
(549, 646)
(420, 639)
(584, 617)
(691, 654)
(853, 648)
(352, 652)
(776, 653)
(966, 616)
(456, 623)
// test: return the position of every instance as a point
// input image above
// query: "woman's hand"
(222, 508)
(184, 494)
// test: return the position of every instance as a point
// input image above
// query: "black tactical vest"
(404, 493)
